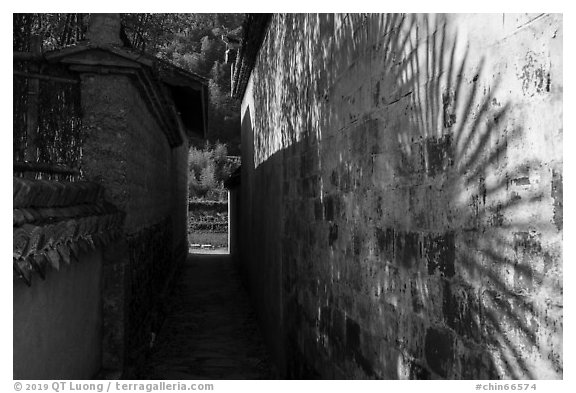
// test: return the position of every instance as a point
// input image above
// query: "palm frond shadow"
(394, 110)
(476, 132)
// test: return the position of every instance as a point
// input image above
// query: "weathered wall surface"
(402, 195)
(260, 239)
(179, 171)
(62, 232)
(58, 322)
(126, 150)
(149, 161)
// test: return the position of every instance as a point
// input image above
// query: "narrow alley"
(389, 187)
(210, 331)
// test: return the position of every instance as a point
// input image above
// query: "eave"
(151, 76)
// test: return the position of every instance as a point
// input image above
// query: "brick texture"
(402, 195)
(127, 151)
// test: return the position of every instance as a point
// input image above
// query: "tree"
(208, 169)
(56, 30)
(194, 42)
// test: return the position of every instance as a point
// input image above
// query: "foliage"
(208, 169)
(194, 42)
(55, 30)
(50, 108)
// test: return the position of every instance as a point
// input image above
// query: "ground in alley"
(210, 331)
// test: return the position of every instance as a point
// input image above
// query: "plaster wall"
(402, 195)
(58, 322)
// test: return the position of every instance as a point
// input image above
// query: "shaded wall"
(179, 171)
(62, 233)
(58, 322)
(126, 150)
(402, 195)
(260, 239)
(234, 215)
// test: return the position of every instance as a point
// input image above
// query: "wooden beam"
(31, 152)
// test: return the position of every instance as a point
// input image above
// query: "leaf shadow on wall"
(500, 298)
(430, 129)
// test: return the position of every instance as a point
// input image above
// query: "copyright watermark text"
(68, 386)
(506, 386)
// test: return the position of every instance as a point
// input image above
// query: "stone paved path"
(210, 331)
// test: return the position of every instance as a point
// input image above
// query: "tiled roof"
(56, 221)
(254, 28)
(150, 72)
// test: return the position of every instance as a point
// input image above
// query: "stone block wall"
(149, 161)
(402, 195)
(150, 266)
(126, 150)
